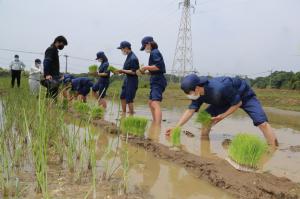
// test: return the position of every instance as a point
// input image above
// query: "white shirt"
(35, 73)
(17, 65)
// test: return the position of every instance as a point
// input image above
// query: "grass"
(175, 136)
(204, 118)
(81, 107)
(134, 125)
(112, 69)
(247, 150)
(93, 68)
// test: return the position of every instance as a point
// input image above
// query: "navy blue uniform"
(103, 82)
(158, 82)
(223, 92)
(130, 84)
(82, 85)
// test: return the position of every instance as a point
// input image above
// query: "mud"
(218, 172)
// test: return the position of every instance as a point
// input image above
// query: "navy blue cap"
(190, 82)
(145, 41)
(100, 55)
(124, 44)
(38, 61)
(67, 78)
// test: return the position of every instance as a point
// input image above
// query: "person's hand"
(217, 119)
(49, 77)
(168, 131)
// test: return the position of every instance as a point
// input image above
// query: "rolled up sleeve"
(196, 104)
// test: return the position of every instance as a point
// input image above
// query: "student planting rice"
(102, 84)
(35, 77)
(158, 82)
(224, 96)
(130, 84)
(76, 87)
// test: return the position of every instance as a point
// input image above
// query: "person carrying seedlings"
(102, 84)
(130, 84)
(52, 67)
(158, 82)
(16, 68)
(224, 95)
(77, 88)
(35, 77)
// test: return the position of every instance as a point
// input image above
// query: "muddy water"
(284, 161)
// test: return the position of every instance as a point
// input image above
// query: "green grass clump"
(97, 112)
(134, 125)
(81, 107)
(247, 150)
(93, 68)
(204, 118)
(175, 136)
(112, 69)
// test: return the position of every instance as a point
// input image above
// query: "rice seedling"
(112, 69)
(93, 69)
(81, 107)
(134, 125)
(175, 136)
(247, 150)
(204, 118)
(97, 112)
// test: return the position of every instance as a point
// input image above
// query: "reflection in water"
(154, 131)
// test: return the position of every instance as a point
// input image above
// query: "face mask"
(16, 59)
(193, 97)
(60, 47)
(38, 65)
(147, 50)
(124, 53)
(100, 60)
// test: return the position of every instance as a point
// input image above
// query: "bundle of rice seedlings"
(112, 69)
(204, 118)
(246, 150)
(134, 125)
(81, 107)
(175, 136)
(97, 112)
(93, 69)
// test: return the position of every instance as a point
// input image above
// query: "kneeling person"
(77, 87)
(224, 96)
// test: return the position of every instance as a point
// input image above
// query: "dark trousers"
(15, 74)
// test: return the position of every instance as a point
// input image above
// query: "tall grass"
(247, 150)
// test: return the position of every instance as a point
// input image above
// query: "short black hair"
(16, 56)
(61, 39)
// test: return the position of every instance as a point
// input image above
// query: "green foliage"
(97, 112)
(81, 107)
(247, 150)
(134, 125)
(175, 136)
(204, 118)
(93, 68)
(112, 69)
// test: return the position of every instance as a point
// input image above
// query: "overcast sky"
(229, 36)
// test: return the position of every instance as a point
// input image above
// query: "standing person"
(16, 68)
(102, 84)
(224, 95)
(35, 77)
(52, 67)
(130, 84)
(158, 82)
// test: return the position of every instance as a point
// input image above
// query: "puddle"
(283, 162)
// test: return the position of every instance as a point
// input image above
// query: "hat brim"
(142, 48)
(119, 48)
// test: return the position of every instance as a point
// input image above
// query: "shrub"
(204, 118)
(134, 125)
(247, 150)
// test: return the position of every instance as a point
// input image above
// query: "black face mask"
(60, 47)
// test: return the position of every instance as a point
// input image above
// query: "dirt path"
(218, 172)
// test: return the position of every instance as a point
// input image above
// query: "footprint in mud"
(188, 133)
(226, 142)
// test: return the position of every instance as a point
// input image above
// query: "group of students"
(224, 95)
